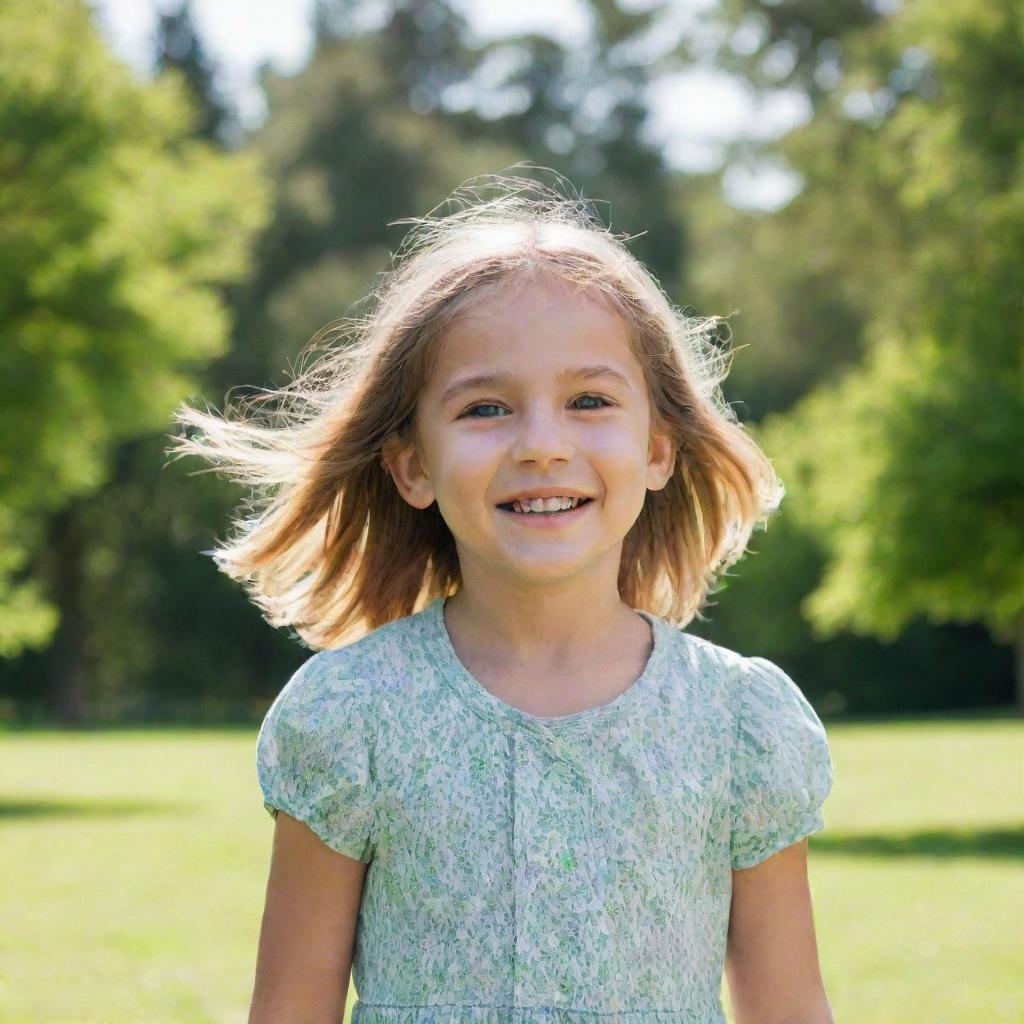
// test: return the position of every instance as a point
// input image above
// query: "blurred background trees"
(903, 454)
(118, 227)
(157, 250)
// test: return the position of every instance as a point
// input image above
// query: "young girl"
(507, 786)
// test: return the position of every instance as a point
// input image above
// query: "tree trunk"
(66, 674)
(1019, 665)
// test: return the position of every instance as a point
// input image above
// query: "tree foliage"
(116, 227)
(384, 123)
(907, 467)
(179, 50)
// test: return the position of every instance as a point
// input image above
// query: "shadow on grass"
(1001, 843)
(14, 810)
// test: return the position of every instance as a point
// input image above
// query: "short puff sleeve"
(313, 757)
(781, 769)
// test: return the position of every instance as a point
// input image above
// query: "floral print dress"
(568, 869)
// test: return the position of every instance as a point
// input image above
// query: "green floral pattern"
(523, 868)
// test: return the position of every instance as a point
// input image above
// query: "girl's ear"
(661, 460)
(402, 460)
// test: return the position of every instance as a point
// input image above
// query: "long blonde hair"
(333, 550)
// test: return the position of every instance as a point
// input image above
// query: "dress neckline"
(473, 692)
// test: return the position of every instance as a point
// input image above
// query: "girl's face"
(564, 407)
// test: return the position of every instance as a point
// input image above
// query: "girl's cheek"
(617, 442)
(475, 444)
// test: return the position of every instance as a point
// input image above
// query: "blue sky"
(692, 113)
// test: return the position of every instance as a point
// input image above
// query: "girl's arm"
(771, 959)
(309, 922)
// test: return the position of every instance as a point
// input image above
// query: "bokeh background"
(190, 192)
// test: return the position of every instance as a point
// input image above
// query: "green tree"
(117, 229)
(348, 154)
(580, 109)
(906, 468)
(179, 49)
(782, 44)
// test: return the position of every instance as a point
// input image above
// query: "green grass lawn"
(134, 866)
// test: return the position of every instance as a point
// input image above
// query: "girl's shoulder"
(362, 669)
(747, 683)
(718, 669)
(709, 656)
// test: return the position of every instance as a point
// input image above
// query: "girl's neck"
(591, 662)
(545, 635)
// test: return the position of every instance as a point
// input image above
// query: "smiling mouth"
(508, 507)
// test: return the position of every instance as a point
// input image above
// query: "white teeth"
(558, 504)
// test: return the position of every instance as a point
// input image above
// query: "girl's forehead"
(533, 340)
(526, 340)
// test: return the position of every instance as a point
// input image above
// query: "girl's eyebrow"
(488, 380)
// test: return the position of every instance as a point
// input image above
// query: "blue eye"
(490, 405)
(598, 398)
(482, 405)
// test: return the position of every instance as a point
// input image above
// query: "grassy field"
(134, 866)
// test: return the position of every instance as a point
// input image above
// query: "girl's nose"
(542, 437)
